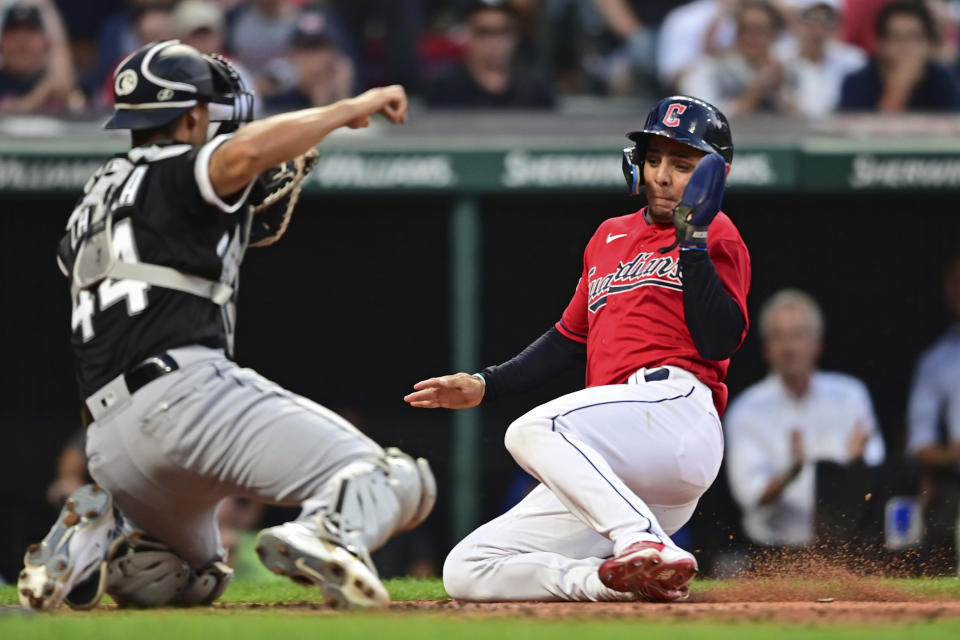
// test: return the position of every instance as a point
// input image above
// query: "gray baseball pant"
(173, 450)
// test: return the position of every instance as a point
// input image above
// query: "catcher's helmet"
(158, 82)
(685, 119)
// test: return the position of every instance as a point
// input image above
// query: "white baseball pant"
(617, 464)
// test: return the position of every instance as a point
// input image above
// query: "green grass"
(946, 588)
(844, 589)
(285, 625)
(277, 589)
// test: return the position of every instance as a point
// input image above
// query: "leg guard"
(415, 486)
(370, 499)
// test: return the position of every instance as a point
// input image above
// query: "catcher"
(152, 252)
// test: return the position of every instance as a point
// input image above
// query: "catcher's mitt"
(274, 196)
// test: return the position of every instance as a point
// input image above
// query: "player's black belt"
(149, 370)
(657, 374)
(138, 376)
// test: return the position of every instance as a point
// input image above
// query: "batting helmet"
(682, 118)
(160, 81)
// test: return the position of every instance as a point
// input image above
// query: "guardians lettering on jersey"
(648, 269)
(628, 306)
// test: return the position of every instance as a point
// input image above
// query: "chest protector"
(87, 254)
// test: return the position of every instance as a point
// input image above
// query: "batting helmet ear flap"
(633, 170)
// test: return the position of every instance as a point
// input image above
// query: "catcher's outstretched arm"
(268, 142)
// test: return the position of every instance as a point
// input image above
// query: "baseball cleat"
(346, 580)
(652, 570)
(71, 552)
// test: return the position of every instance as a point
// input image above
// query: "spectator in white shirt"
(933, 422)
(748, 78)
(683, 36)
(818, 60)
(779, 428)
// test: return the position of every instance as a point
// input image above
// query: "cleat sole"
(647, 573)
(344, 580)
(49, 572)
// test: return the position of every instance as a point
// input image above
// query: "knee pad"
(207, 584)
(142, 572)
(145, 573)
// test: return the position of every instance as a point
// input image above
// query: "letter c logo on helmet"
(684, 119)
(674, 110)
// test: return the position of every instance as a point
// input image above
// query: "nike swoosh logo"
(611, 237)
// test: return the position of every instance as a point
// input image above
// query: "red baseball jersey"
(628, 306)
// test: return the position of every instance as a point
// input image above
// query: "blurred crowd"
(790, 57)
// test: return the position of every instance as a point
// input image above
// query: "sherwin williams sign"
(458, 171)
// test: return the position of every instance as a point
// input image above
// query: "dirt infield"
(872, 604)
(841, 598)
(815, 593)
(807, 586)
(775, 612)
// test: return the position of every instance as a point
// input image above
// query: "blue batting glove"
(700, 202)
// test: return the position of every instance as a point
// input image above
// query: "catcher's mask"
(162, 80)
(682, 118)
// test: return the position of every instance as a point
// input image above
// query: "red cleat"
(652, 570)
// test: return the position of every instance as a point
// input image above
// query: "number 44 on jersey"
(109, 292)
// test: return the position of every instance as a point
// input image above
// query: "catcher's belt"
(126, 384)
